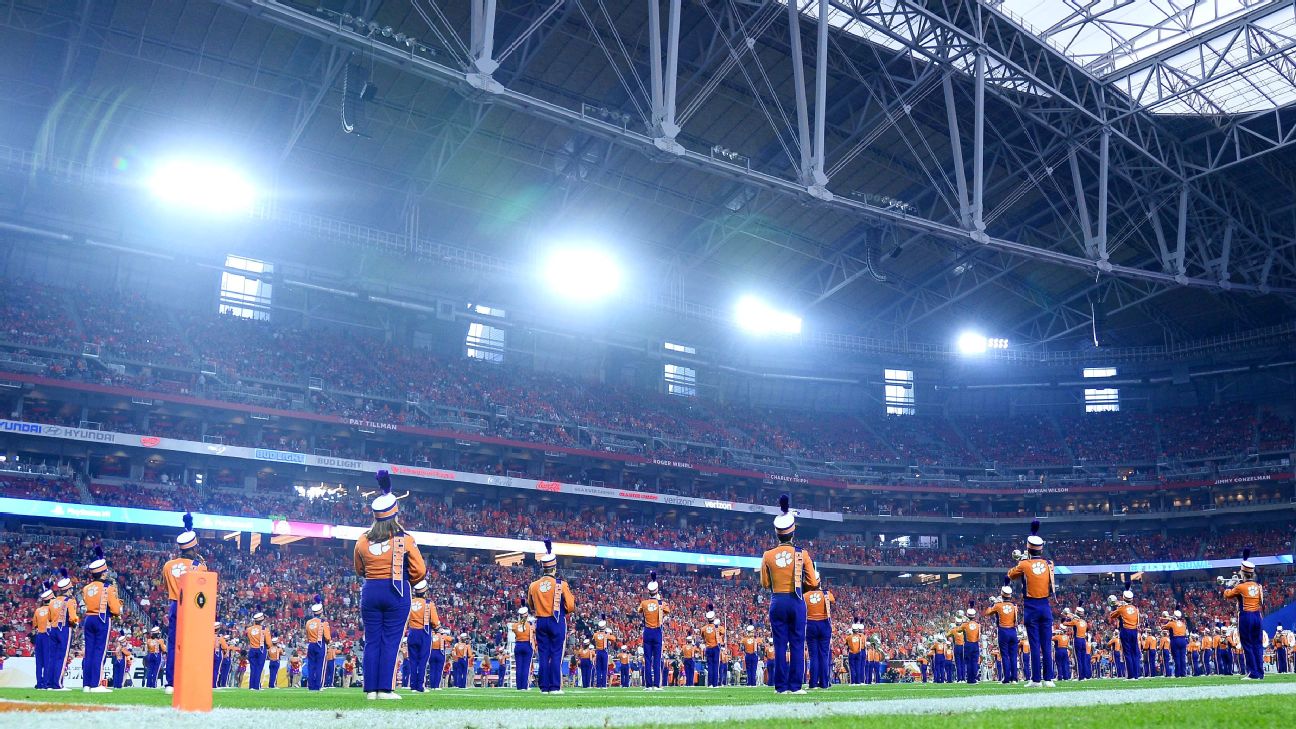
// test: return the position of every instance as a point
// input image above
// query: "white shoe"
(1049, 684)
(169, 690)
(372, 695)
(389, 696)
(799, 691)
(85, 689)
(1034, 684)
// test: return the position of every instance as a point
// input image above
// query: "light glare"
(582, 274)
(206, 186)
(972, 343)
(754, 315)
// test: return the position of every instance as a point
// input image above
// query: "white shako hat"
(785, 523)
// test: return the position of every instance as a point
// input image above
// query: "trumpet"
(1230, 581)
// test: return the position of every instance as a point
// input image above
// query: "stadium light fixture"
(209, 187)
(755, 316)
(582, 274)
(972, 343)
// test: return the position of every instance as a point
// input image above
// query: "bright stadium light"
(207, 186)
(755, 316)
(582, 274)
(972, 343)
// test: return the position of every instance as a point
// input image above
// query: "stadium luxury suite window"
(899, 392)
(245, 288)
(1101, 399)
(484, 342)
(680, 380)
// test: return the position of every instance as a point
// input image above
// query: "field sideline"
(1216, 701)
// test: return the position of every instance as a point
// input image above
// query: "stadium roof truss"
(1137, 144)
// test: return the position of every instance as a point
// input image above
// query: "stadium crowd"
(361, 375)
(514, 518)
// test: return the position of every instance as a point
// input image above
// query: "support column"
(1104, 165)
(482, 47)
(978, 148)
(664, 81)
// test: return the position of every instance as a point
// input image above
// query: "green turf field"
(1201, 702)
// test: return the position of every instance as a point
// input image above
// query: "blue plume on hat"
(99, 553)
(319, 598)
(1246, 553)
(1035, 525)
(710, 607)
(1007, 580)
(652, 575)
(548, 546)
(63, 572)
(188, 522)
(384, 480)
(1126, 577)
(970, 603)
(785, 502)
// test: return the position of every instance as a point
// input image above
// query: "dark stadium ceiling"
(879, 230)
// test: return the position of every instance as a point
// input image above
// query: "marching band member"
(123, 657)
(423, 619)
(550, 600)
(1062, 653)
(1250, 600)
(63, 618)
(972, 645)
(855, 653)
(750, 658)
(1177, 633)
(939, 669)
(1024, 650)
(294, 669)
(1036, 574)
(712, 636)
(1080, 639)
(1004, 614)
(258, 638)
(102, 604)
(602, 638)
(1163, 644)
(1223, 657)
(40, 636)
(769, 660)
(1148, 643)
(785, 571)
(318, 636)
(219, 650)
(688, 655)
(1125, 616)
(654, 612)
(188, 561)
(523, 649)
(957, 640)
(1194, 655)
(586, 656)
(437, 658)
(273, 654)
(330, 660)
(818, 606)
(1280, 649)
(389, 561)
(154, 647)
(623, 667)
(462, 653)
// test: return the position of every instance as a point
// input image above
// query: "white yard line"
(560, 718)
